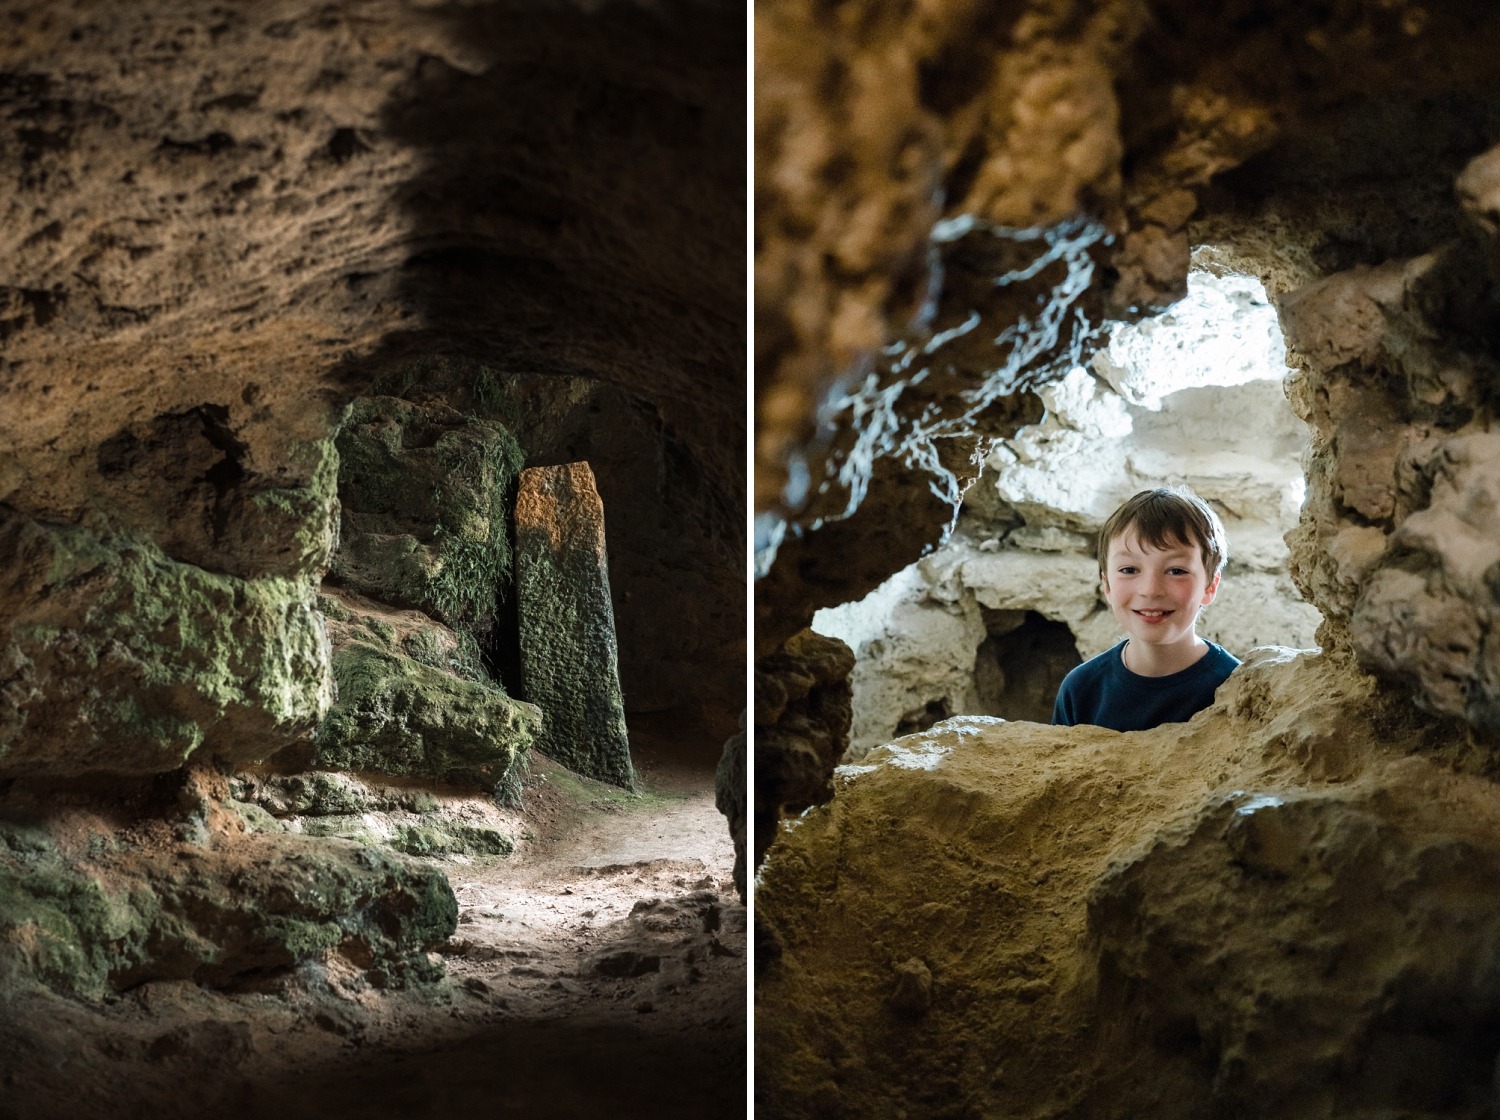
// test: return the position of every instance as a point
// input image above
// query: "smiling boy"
(1161, 556)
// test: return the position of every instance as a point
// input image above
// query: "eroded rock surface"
(415, 702)
(423, 493)
(116, 657)
(94, 906)
(1253, 913)
(569, 662)
(1397, 360)
(802, 718)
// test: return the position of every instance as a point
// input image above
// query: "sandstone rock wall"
(225, 222)
(1256, 914)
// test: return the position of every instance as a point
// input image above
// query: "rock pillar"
(568, 653)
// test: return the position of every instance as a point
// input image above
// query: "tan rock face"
(1253, 913)
(1394, 535)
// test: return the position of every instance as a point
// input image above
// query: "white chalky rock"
(1223, 332)
(1199, 401)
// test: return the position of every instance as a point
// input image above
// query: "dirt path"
(599, 971)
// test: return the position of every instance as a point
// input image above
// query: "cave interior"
(1285, 906)
(371, 559)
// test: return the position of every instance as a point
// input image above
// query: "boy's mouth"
(1153, 616)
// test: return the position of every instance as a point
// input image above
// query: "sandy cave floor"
(598, 971)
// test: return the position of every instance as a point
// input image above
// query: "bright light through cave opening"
(990, 622)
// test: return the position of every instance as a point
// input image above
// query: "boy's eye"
(1127, 570)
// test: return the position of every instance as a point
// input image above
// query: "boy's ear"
(1213, 589)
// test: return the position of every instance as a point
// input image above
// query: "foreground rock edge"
(1159, 924)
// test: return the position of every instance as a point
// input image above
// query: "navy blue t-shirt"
(1103, 692)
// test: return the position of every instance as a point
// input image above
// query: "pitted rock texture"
(675, 544)
(413, 700)
(569, 665)
(116, 657)
(802, 718)
(423, 493)
(1397, 360)
(412, 820)
(1271, 911)
(91, 906)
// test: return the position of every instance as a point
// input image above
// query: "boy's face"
(1156, 593)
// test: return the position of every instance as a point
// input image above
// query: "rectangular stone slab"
(568, 651)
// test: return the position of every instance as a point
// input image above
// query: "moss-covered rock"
(354, 618)
(405, 818)
(186, 480)
(261, 906)
(396, 715)
(569, 663)
(315, 794)
(449, 838)
(424, 492)
(114, 657)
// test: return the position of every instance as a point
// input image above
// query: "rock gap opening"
(1194, 395)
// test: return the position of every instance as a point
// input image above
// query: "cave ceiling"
(259, 208)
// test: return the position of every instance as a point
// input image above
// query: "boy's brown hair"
(1167, 516)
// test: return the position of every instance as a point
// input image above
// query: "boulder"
(424, 491)
(115, 657)
(411, 702)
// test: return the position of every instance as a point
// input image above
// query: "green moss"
(127, 660)
(303, 939)
(398, 716)
(589, 791)
(333, 609)
(472, 387)
(346, 826)
(424, 647)
(314, 794)
(202, 919)
(424, 491)
(448, 838)
(256, 818)
(420, 800)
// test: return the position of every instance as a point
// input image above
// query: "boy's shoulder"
(1096, 670)
(1218, 661)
